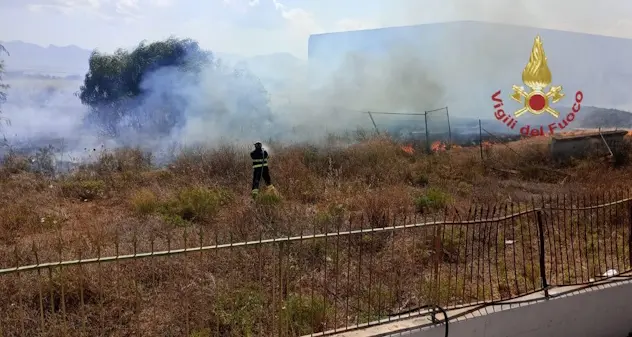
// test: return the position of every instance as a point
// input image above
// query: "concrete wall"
(602, 311)
(583, 147)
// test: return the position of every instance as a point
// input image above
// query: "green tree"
(149, 88)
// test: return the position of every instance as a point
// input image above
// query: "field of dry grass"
(122, 204)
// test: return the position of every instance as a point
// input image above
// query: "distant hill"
(588, 117)
(606, 118)
(51, 60)
(29, 58)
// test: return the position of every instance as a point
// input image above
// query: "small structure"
(586, 143)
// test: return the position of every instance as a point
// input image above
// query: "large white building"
(471, 60)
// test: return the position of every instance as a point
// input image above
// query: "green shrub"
(268, 199)
(85, 190)
(144, 201)
(196, 204)
(303, 315)
(432, 199)
(331, 218)
(419, 179)
(238, 311)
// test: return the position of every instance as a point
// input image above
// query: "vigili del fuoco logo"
(537, 76)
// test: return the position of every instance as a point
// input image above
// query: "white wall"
(474, 59)
(602, 311)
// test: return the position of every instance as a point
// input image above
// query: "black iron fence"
(342, 273)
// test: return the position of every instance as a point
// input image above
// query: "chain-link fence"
(429, 129)
(439, 131)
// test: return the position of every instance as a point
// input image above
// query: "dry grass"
(121, 203)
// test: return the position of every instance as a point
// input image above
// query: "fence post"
(630, 233)
(428, 150)
(542, 254)
(374, 124)
(436, 297)
(282, 272)
(282, 292)
(480, 140)
(447, 113)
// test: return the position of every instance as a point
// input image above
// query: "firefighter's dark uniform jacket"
(259, 158)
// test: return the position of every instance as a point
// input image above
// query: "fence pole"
(630, 233)
(282, 272)
(480, 140)
(427, 134)
(374, 124)
(437, 260)
(447, 113)
(545, 284)
(278, 310)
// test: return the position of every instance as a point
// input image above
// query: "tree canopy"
(156, 86)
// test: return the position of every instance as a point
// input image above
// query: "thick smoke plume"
(219, 103)
(393, 81)
(327, 96)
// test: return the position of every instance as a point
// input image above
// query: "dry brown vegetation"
(121, 204)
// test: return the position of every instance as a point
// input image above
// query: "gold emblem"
(537, 76)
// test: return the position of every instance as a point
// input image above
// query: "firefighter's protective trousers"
(259, 169)
(257, 174)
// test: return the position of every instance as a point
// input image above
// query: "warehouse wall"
(474, 59)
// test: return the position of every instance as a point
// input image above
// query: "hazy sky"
(250, 27)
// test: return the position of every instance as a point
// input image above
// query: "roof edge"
(468, 22)
(591, 135)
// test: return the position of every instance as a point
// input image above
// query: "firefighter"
(259, 168)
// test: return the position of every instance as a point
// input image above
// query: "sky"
(254, 27)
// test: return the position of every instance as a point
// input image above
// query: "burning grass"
(122, 204)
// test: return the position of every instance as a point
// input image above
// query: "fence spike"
(82, 295)
(201, 238)
(135, 240)
(185, 235)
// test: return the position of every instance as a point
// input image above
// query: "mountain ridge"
(72, 60)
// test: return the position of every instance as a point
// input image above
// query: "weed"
(331, 218)
(121, 160)
(345, 186)
(303, 314)
(196, 204)
(44, 161)
(420, 179)
(268, 199)
(16, 218)
(239, 310)
(14, 163)
(144, 201)
(85, 190)
(432, 199)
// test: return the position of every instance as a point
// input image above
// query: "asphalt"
(421, 320)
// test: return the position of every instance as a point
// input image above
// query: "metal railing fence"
(342, 274)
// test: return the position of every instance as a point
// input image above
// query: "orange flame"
(437, 146)
(408, 149)
(487, 144)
